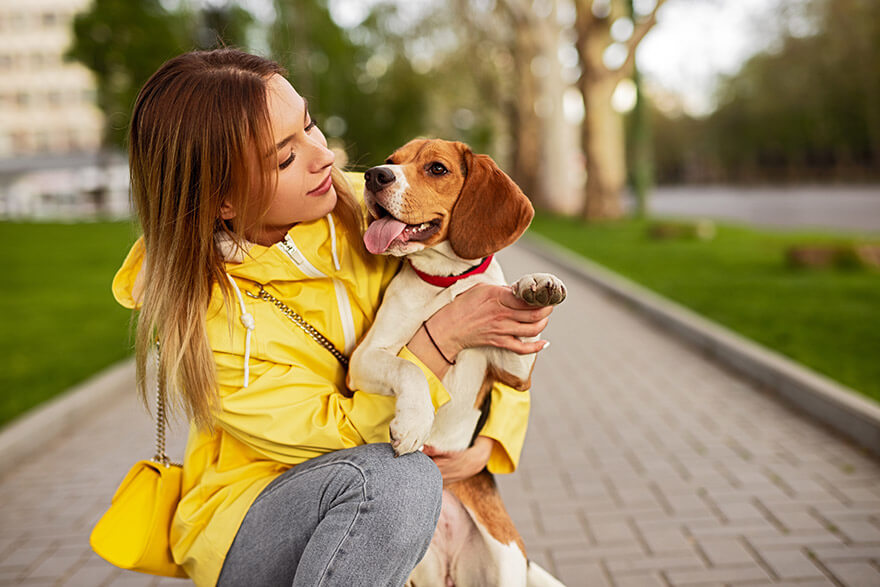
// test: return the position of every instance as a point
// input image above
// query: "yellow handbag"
(134, 532)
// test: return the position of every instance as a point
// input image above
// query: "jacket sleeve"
(289, 414)
(507, 423)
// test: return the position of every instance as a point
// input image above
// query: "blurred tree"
(808, 109)
(222, 25)
(525, 125)
(123, 42)
(471, 99)
(603, 132)
(513, 90)
(360, 85)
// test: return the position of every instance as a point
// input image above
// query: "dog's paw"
(410, 427)
(540, 289)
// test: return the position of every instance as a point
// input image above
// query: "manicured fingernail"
(546, 344)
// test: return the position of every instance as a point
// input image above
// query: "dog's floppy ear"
(491, 211)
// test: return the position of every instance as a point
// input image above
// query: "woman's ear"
(227, 211)
(491, 212)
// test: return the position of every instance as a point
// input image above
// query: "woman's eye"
(437, 169)
(286, 163)
(311, 125)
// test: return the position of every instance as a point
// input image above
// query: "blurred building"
(47, 105)
(51, 165)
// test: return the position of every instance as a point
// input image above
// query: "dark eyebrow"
(305, 122)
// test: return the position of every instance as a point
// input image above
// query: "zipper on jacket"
(343, 304)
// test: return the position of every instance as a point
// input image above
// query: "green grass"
(828, 320)
(60, 322)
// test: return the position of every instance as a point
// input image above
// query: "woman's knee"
(410, 484)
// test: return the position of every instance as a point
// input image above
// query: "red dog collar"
(447, 280)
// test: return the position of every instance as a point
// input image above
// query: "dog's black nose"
(378, 178)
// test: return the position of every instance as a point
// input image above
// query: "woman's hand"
(460, 465)
(488, 315)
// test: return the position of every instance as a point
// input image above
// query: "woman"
(288, 479)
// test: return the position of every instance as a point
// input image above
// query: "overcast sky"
(696, 40)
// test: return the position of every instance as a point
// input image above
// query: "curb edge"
(36, 428)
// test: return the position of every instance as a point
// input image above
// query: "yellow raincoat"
(287, 406)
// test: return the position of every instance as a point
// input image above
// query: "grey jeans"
(353, 517)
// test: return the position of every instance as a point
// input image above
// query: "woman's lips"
(323, 188)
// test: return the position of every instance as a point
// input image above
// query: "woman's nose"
(324, 157)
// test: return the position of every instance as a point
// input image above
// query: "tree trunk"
(604, 149)
(526, 126)
(602, 135)
(560, 143)
(603, 132)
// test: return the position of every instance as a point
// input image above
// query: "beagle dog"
(448, 210)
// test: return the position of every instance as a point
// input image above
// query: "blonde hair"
(193, 126)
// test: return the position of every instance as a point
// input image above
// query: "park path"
(646, 464)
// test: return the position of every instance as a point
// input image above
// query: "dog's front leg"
(536, 289)
(414, 414)
(390, 375)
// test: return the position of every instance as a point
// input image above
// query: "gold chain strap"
(161, 420)
(301, 322)
(161, 456)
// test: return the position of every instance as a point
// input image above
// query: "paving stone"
(9, 576)
(855, 573)
(845, 552)
(790, 564)
(90, 575)
(637, 580)
(24, 557)
(798, 520)
(809, 539)
(562, 524)
(586, 573)
(739, 511)
(824, 582)
(567, 553)
(655, 563)
(718, 575)
(758, 528)
(59, 564)
(612, 532)
(725, 552)
(132, 579)
(665, 539)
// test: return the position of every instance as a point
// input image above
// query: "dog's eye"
(389, 161)
(437, 169)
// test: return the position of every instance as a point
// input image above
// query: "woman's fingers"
(532, 315)
(524, 329)
(432, 452)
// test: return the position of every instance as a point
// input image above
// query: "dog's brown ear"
(491, 211)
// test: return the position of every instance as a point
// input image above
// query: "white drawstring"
(248, 321)
(333, 241)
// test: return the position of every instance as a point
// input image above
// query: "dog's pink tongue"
(381, 233)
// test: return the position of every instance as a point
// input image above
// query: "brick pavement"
(645, 465)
